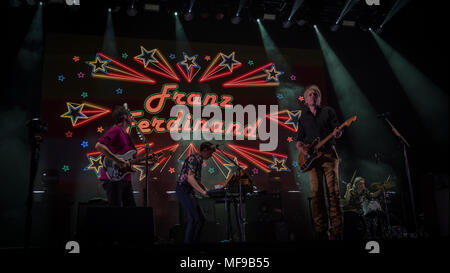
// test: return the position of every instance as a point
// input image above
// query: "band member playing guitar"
(114, 143)
(190, 178)
(318, 122)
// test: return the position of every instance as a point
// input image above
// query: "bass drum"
(354, 226)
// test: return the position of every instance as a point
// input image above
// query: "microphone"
(383, 115)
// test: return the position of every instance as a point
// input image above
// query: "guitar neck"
(325, 140)
(139, 159)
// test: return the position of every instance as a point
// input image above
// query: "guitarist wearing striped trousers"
(317, 121)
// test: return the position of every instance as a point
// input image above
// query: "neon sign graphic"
(162, 67)
(153, 61)
(80, 114)
(124, 73)
(215, 71)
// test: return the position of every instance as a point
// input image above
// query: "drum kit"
(374, 221)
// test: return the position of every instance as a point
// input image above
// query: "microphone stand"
(241, 221)
(148, 151)
(405, 144)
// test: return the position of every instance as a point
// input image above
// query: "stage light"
(151, 7)
(287, 24)
(258, 20)
(109, 10)
(334, 27)
(268, 16)
(236, 20)
(132, 11)
(301, 22)
(188, 16)
(175, 13)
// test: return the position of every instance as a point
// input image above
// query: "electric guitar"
(305, 161)
(115, 173)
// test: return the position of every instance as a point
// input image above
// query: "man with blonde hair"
(317, 121)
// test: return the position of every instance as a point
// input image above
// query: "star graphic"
(141, 170)
(76, 58)
(278, 164)
(228, 61)
(65, 168)
(280, 96)
(293, 119)
(74, 113)
(294, 164)
(98, 64)
(61, 78)
(171, 170)
(250, 63)
(80, 75)
(95, 164)
(100, 129)
(124, 55)
(211, 170)
(255, 171)
(172, 56)
(272, 73)
(84, 95)
(147, 56)
(207, 58)
(293, 77)
(84, 143)
(119, 91)
(68, 134)
(289, 139)
(301, 98)
(189, 62)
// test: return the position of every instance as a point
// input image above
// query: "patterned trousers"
(327, 167)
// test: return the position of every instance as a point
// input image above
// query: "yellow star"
(189, 62)
(276, 166)
(98, 64)
(96, 167)
(272, 73)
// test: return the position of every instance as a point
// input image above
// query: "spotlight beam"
(398, 5)
(295, 7)
(348, 6)
(430, 101)
(352, 101)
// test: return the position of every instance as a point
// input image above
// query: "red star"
(100, 129)
(289, 139)
(171, 170)
(207, 58)
(68, 134)
(76, 58)
(301, 98)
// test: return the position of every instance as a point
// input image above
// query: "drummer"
(357, 193)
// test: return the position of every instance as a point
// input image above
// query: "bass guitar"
(305, 160)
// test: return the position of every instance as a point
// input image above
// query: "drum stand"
(389, 228)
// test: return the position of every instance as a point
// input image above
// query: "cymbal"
(379, 185)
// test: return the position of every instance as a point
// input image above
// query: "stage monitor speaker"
(104, 226)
